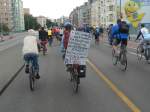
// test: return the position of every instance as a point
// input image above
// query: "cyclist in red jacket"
(67, 31)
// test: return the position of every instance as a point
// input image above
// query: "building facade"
(11, 14)
(108, 13)
(42, 21)
(26, 11)
(96, 13)
(80, 15)
(18, 15)
(6, 13)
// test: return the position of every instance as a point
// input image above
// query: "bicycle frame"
(120, 58)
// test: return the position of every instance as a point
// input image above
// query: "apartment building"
(95, 13)
(74, 17)
(26, 11)
(18, 15)
(42, 21)
(103, 12)
(6, 13)
(11, 14)
(108, 13)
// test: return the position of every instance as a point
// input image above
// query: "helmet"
(68, 25)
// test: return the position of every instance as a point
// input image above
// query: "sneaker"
(37, 76)
(27, 69)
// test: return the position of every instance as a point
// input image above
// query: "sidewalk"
(4, 38)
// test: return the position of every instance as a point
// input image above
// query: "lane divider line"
(11, 80)
(119, 93)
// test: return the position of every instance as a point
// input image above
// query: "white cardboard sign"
(77, 50)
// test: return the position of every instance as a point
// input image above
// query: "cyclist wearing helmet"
(67, 31)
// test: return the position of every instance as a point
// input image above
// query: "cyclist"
(50, 38)
(109, 31)
(30, 52)
(120, 34)
(143, 31)
(97, 34)
(65, 39)
(43, 37)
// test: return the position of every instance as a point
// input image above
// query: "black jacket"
(43, 35)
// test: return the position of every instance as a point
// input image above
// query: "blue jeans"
(32, 58)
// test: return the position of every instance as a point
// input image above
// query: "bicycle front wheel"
(114, 57)
(123, 61)
(75, 81)
(31, 81)
(139, 53)
(147, 55)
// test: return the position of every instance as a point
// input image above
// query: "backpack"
(124, 28)
(97, 32)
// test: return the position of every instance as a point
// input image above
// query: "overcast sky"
(52, 8)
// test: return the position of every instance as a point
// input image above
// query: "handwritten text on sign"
(77, 50)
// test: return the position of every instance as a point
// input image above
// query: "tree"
(4, 28)
(31, 22)
(48, 23)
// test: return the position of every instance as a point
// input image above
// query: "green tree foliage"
(50, 24)
(4, 28)
(31, 22)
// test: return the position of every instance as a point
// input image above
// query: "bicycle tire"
(123, 61)
(75, 82)
(44, 50)
(138, 52)
(147, 55)
(31, 79)
(114, 58)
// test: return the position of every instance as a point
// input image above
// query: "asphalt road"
(54, 91)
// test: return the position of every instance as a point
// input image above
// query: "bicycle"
(32, 76)
(74, 77)
(76, 72)
(121, 57)
(144, 52)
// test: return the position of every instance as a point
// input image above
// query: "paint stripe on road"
(119, 93)
(11, 80)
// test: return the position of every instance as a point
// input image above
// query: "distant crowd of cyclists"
(117, 34)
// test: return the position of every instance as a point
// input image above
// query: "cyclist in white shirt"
(143, 31)
(30, 52)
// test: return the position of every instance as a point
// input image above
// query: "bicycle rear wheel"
(31, 79)
(147, 55)
(139, 53)
(123, 61)
(75, 81)
(44, 50)
(114, 57)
